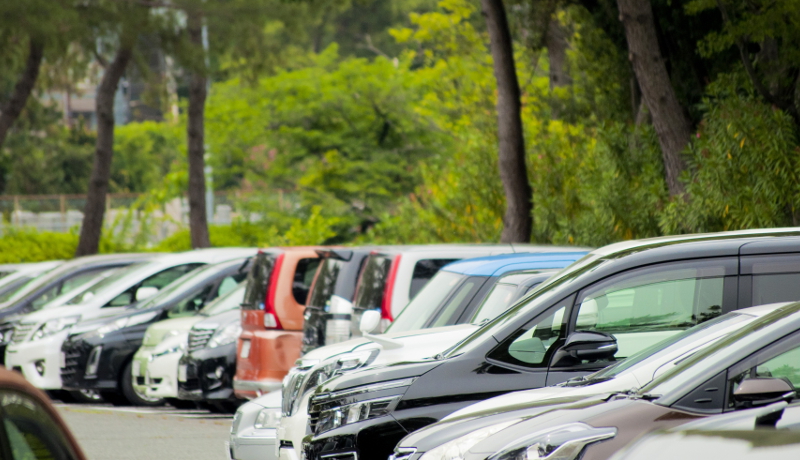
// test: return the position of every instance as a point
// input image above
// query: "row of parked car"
(481, 351)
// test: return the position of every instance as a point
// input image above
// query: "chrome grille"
(198, 338)
(21, 332)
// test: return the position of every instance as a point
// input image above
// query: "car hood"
(174, 326)
(218, 320)
(272, 399)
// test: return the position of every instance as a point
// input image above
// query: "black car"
(206, 370)
(97, 356)
(754, 367)
(337, 276)
(618, 300)
(54, 283)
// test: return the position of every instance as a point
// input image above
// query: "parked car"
(461, 292)
(30, 428)
(640, 291)
(57, 282)
(165, 342)
(768, 433)
(98, 354)
(392, 276)
(206, 370)
(272, 319)
(253, 428)
(455, 432)
(755, 366)
(330, 298)
(36, 350)
(13, 277)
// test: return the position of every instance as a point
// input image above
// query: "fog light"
(39, 365)
(93, 363)
(219, 372)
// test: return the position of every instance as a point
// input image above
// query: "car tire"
(129, 391)
(181, 403)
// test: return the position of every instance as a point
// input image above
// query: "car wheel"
(130, 392)
(181, 403)
(85, 396)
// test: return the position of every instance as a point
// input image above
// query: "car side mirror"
(146, 292)
(370, 320)
(760, 391)
(585, 345)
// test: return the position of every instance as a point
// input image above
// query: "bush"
(27, 245)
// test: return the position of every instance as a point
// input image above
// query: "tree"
(670, 122)
(23, 88)
(518, 218)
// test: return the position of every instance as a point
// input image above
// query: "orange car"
(31, 427)
(272, 319)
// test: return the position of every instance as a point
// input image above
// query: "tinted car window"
(372, 282)
(495, 303)
(423, 272)
(323, 289)
(191, 303)
(31, 433)
(258, 282)
(533, 344)
(303, 276)
(460, 299)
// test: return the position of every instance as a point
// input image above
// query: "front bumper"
(157, 377)
(24, 356)
(248, 442)
(209, 374)
(114, 355)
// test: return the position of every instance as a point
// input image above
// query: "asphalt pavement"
(134, 433)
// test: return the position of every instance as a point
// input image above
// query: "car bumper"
(24, 356)
(261, 367)
(157, 377)
(114, 354)
(208, 374)
(293, 429)
(248, 442)
(368, 440)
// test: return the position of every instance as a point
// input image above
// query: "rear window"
(372, 282)
(258, 282)
(324, 288)
(303, 276)
(423, 272)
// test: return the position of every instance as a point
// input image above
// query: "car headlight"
(173, 343)
(225, 335)
(337, 365)
(123, 322)
(268, 418)
(457, 448)
(55, 325)
(564, 442)
(339, 408)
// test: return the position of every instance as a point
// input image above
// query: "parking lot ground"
(137, 433)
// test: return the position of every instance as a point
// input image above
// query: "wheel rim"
(91, 394)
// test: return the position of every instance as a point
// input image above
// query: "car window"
(229, 301)
(459, 299)
(66, 286)
(421, 307)
(424, 270)
(533, 344)
(781, 360)
(641, 309)
(323, 289)
(258, 281)
(303, 276)
(191, 303)
(372, 282)
(158, 281)
(228, 284)
(13, 287)
(498, 301)
(775, 278)
(31, 432)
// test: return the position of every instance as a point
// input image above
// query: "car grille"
(72, 361)
(313, 419)
(21, 332)
(198, 338)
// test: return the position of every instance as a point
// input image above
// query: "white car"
(13, 277)
(253, 434)
(318, 365)
(36, 347)
(165, 342)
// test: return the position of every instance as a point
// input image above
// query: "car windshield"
(325, 284)
(682, 375)
(180, 287)
(425, 304)
(12, 288)
(41, 280)
(692, 337)
(228, 301)
(495, 303)
(540, 297)
(104, 283)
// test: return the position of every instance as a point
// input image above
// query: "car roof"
(504, 263)
(521, 278)
(516, 248)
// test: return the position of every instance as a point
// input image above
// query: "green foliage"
(144, 154)
(25, 245)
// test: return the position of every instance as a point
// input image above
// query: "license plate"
(182, 373)
(245, 349)
(63, 360)
(136, 370)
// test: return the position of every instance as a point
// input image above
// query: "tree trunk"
(555, 40)
(23, 89)
(94, 212)
(669, 121)
(518, 218)
(195, 131)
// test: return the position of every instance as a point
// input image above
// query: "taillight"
(271, 320)
(386, 302)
